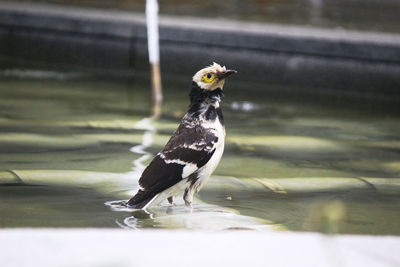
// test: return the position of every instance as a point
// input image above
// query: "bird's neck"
(199, 98)
(204, 104)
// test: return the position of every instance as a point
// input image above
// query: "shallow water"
(300, 164)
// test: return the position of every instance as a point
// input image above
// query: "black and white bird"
(195, 149)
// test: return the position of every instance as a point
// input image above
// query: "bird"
(193, 152)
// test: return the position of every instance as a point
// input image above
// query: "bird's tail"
(140, 201)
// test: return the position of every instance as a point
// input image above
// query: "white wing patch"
(187, 170)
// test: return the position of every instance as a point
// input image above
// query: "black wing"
(189, 149)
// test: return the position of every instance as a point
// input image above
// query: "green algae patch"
(290, 143)
(100, 181)
(9, 177)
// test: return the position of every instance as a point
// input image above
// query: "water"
(79, 142)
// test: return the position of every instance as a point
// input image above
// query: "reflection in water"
(129, 222)
(147, 140)
(201, 217)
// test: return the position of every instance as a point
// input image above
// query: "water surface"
(291, 163)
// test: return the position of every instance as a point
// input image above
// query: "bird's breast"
(217, 128)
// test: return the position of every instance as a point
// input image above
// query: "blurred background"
(369, 15)
(312, 118)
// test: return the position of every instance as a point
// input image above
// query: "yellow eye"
(208, 78)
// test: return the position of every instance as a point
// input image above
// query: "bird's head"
(212, 77)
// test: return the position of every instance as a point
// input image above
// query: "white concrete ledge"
(95, 247)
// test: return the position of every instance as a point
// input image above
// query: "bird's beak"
(224, 74)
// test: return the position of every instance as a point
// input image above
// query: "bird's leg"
(188, 204)
(170, 199)
(188, 197)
